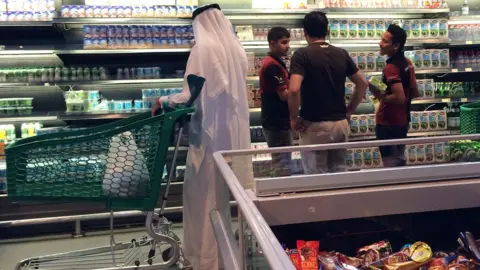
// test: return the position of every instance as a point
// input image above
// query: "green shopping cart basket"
(470, 118)
(120, 163)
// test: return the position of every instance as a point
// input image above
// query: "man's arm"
(275, 75)
(361, 85)
(415, 93)
(397, 93)
(294, 95)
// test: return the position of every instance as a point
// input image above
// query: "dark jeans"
(393, 155)
(280, 161)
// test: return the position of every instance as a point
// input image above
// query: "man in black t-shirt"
(317, 85)
(274, 91)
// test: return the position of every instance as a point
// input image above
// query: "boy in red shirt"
(393, 115)
(274, 91)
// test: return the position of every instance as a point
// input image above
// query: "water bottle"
(86, 74)
(119, 73)
(460, 60)
(24, 129)
(58, 74)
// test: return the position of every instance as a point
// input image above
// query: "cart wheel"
(150, 261)
(137, 263)
(133, 241)
(166, 254)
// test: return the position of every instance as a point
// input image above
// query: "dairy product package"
(353, 29)
(335, 28)
(426, 58)
(442, 120)
(424, 124)
(435, 55)
(407, 26)
(343, 26)
(380, 61)
(415, 122)
(348, 92)
(371, 123)
(371, 61)
(445, 58)
(363, 124)
(434, 28)
(349, 161)
(362, 61)
(377, 158)
(371, 29)
(354, 125)
(367, 158)
(429, 89)
(443, 28)
(411, 154)
(380, 28)
(362, 29)
(429, 153)
(421, 155)
(421, 88)
(433, 120)
(425, 28)
(65, 11)
(416, 29)
(442, 152)
(358, 158)
(418, 58)
(354, 57)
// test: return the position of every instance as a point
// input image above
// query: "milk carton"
(411, 154)
(425, 28)
(354, 125)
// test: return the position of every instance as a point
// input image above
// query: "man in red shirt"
(393, 115)
(274, 91)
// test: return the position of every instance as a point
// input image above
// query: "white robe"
(220, 122)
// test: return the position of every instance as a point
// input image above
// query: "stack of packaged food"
(419, 255)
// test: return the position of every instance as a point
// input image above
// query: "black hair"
(315, 24)
(399, 36)
(277, 33)
(200, 10)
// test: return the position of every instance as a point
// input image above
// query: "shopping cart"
(121, 164)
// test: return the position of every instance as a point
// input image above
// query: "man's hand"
(157, 107)
(297, 124)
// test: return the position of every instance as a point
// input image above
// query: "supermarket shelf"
(137, 21)
(26, 24)
(445, 100)
(104, 82)
(337, 10)
(123, 51)
(66, 116)
(412, 134)
(25, 52)
(255, 110)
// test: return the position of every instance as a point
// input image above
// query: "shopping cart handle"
(195, 84)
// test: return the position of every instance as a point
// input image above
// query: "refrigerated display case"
(443, 178)
(35, 50)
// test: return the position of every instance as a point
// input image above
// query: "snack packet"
(329, 262)
(308, 253)
(378, 84)
(295, 258)
(374, 252)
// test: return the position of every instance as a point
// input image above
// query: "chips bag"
(295, 258)
(308, 253)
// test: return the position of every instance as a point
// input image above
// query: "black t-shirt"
(324, 69)
(274, 79)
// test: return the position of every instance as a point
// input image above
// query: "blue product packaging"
(87, 43)
(148, 72)
(112, 31)
(118, 105)
(140, 73)
(157, 42)
(156, 72)
(156, 31)
(171, 42)
(138, 104)
(148, 43)
(148, 31)
(124, 43)
(133, 29)
(142, 43)
(134, 43)
(103, 31)
(141, 31)
(170, 31)
(125, 31)
(87, 31)
(127, 105)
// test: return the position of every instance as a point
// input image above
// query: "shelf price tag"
(468, 69)
(454, 70)
(464, 99)
(445, 100)
(469, 42)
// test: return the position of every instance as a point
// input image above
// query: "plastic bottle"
(465, 8)
(24, 129)
(86, 74)
(119, 73)
(460, 60)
